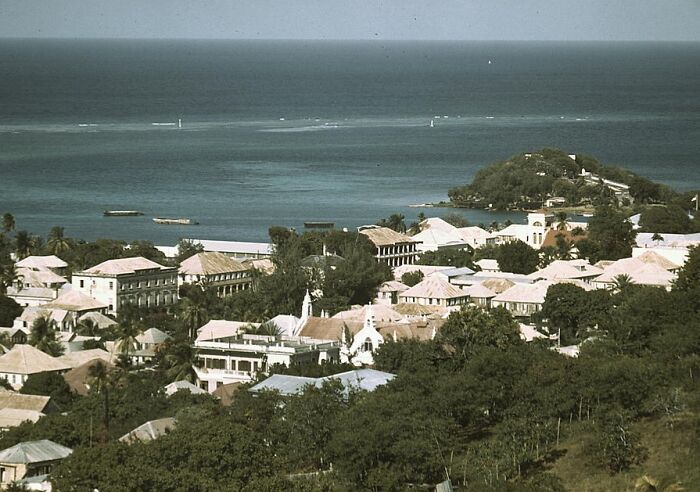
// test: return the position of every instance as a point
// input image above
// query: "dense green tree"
(517, 257)
(145, 249)
(447, 257)
(9, 310)
(473, 328)
(178, 358)
(669, 219)
(126, 339)
(186, 248)
(412, 278)
(355, 280)
(8, 222)
(56, 242)
(194, 314)
(610, 236)
(24, 244)
(49, 384)
(395, 222)
(455, 219)
(689, 276)
(570, 311)
(309, 423)
(616, 446)
(43, 336)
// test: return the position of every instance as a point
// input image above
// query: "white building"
(436, 234)
(38, 263)
(137, 281)
(636, 271)
(241, 357)
(568, 270)
(393, 248)
(23, 360)
(534, 232)
(435, 291)
(236, 249)
(215, 270)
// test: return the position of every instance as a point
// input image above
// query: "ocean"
(278, 133)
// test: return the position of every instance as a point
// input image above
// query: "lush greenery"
(527, 180)
(476, 403)
(672, 219)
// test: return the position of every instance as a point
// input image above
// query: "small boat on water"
(169, 221)
(313, 224)
(122, 213)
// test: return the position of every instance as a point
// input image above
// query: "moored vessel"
(169, 221)
(122, 213)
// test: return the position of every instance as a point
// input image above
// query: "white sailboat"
(432, 123)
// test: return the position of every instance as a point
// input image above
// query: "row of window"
(147, 300)
(146, 283)
(236, 365)
(219, 277)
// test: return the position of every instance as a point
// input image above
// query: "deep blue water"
(354, 145)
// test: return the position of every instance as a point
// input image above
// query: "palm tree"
(396, 222)
(622, 282)
(648, 484)
(24, 244)
(8, 222)
(98, 375)
(657, 238)
(8, 276)
(194, 315)
(87, 327)
(126, 339)
(57, 242)
(179, 361)
(268, 328)
(562, 223)
(43, 336)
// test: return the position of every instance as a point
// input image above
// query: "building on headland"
(393, 248)
(136, 281)
(217, 271)
(620, 190)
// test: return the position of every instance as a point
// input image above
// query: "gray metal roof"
(360, 379)
(34, 452)
(285, 385)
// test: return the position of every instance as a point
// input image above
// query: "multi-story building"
(137, 281)
(240, 357)
(393, 248)
(215, 270)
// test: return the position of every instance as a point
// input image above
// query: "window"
(82, 284)
(111, 285)
(244, 366)
(367, 346)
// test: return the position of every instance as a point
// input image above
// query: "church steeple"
(306, 308)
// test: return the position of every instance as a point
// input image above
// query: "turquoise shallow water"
(280, 133)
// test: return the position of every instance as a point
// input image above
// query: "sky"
(566, 20)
